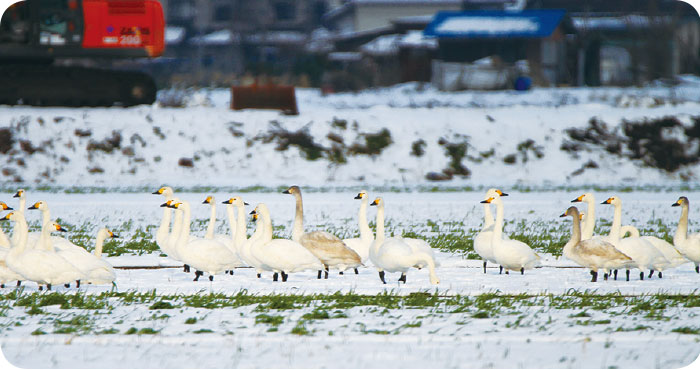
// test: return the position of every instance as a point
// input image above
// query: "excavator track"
(48, 85)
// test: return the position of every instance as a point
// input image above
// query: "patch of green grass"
(203, 331)
(686, 330)
(108, 331)
(190, 321)
(300, 329)
(273, 320)
(148, 331)
(161, 305)
(592, 322)
(38, 332)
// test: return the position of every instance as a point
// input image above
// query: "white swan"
(227, 240)
(205, 255)
(4, 240)
(688, 245)
(593, 253)
(361, 245)
(7, 274)
(482, 241)
(645, 256)
(325, 246)
(94, 268)
(246, 247)
(281, 255)
(59, 243)
(588, 224)
(40, 266)
(164, 228)
(22, 195)
(235, 208)
(394, 254)
(511, 254)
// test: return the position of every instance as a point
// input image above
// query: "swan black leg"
(651, 273)
(66, 285)
(41, 287)
(403, 277)
(231, 272)
(628, 274)
(19, 283)
(325, 276)
(275, 276)
(197, 274)
(186, 268)
(340, 273)
(381, 276)
(284, 276)
(507, 272)
(259, 275)
(594, 276)
(319, 274)
(2, 285)
(697, 269)
(522, 271)
(356, 272)
(641, 275)
(77, 283)
(211, 277)
(48, 286)
(615, 273)
(500, 270)
(660, 275)
(484, 267)
(605, 276)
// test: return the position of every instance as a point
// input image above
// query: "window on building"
(285, 11)
(222, 13)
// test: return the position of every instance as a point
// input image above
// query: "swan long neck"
(241, 236)
(365, 231)
(99, 242)
(682, 230)
(177, 227)
(212, 222)
(267, 226)
(587, 232)
(298, 229)
(231, 222)
(45, 215)
(575, 234)
(488, 216)
(4, 240)
(23, 203)
(380, 223)
(498, 226)
(186, 217)
(165, 222)
(45, 239)
(22, 230)
(617, 223)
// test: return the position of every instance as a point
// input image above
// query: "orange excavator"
(51, 50)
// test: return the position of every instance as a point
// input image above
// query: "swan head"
(106, 233)
(613, 200)
(492, 192)
(292, 190)
(584, 198)
(178, 205)
(362, 195)
(209, 200)
(40, 205)
(680, 202)
(168, 203)
(377, 202)
(165, 191)
(10, 216)
(5, 207)
(236, 201)
(54, 226)
(19, 194)
(571, 211)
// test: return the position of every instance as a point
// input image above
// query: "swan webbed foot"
(651, 273)
(66, 285)
(356, 272)
(605, 276)
(381, 276)
(484, 267)
(507, 272)
(340, 273)
(230, 272)
(41, 288)
(641, 275)
(185, 268)
(403, 277)
(211, 277)
(275, 276)
(522, 271)
(660, 275)
(197, 274)
(319, 274)
(627, 272)
(594, 276)
(284, 276)
(259, 275)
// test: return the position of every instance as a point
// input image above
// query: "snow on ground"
(70, 147)
(521, 335)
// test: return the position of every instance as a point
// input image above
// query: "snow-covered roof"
(221, 37)
(416, 39)
(495, 24)
(618, 23)
(278, 37)
(174, 35)
(382, 45)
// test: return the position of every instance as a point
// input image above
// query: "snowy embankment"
(401, 136)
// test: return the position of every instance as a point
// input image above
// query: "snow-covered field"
(552, 316)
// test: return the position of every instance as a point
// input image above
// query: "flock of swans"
(48, 260)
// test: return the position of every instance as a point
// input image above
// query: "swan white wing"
(330, 249)
(674, 257)
(45, 267)
(600, 254)
(288, 256)
(227, 240)
(208, 256)
(359, 246)
(690, 249)
(514, 254)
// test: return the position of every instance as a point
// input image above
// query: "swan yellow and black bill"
(563, 214)
(228, 201)
(579, 199)
(7, 216)
(35, 205)
(359, 195)
(376, 202)
(607, 201)
(5, 207)
(488, 200)
(255, 217)
(500, 193)
(254, 212)
(176, 205)
(159, 191)
(679, 202)
(18, 194)
(111, 234)
(207, 201)
(60, 228)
